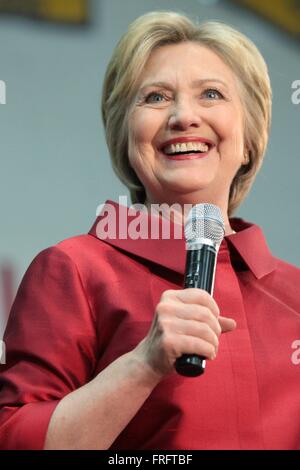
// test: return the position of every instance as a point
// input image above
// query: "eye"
(155, 97)
(212, 94)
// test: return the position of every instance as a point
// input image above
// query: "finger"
(170, 309)
(196, 329)
(198, 346)
(200, 314)
(227, 324)
(194, 296)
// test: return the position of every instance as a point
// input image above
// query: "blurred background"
(55, 168)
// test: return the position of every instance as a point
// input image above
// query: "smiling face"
(187, 93)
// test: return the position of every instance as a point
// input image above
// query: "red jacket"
(85, 302)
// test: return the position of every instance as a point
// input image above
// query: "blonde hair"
(124, 71)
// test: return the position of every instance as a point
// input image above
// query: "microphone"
(204, 231)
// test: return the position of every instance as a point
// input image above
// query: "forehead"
(189, 60)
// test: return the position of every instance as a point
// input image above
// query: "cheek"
(140, 127)
(135, 136)
(231, 132)
(133, 152)
(134, 131)
(145, 124)
(141, 134)
(138, 154)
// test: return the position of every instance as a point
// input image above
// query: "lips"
(192, 147)
(178, 140)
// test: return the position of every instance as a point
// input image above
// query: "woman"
(97, 324)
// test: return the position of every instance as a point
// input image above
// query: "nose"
(183, 115)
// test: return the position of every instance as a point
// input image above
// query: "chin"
(187, 185)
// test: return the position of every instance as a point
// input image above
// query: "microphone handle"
(199, 272)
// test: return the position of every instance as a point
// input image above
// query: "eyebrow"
(195, 83)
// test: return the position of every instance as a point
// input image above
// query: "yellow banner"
(64, 11)
(285, 13)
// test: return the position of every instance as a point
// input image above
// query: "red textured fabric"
(85, 302)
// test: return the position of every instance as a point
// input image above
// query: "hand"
(186, 321)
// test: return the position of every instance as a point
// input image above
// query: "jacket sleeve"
(51, 348)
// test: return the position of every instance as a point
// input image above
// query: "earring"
(246, 158)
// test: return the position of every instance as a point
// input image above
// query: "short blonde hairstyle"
(123, 76)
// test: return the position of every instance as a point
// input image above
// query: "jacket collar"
(248, 246)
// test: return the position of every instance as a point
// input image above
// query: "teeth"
(186, 147)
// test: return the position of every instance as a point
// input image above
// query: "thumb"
(227, 324)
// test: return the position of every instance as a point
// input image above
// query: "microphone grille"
(204, 221)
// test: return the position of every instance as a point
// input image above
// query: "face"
(186, 127)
